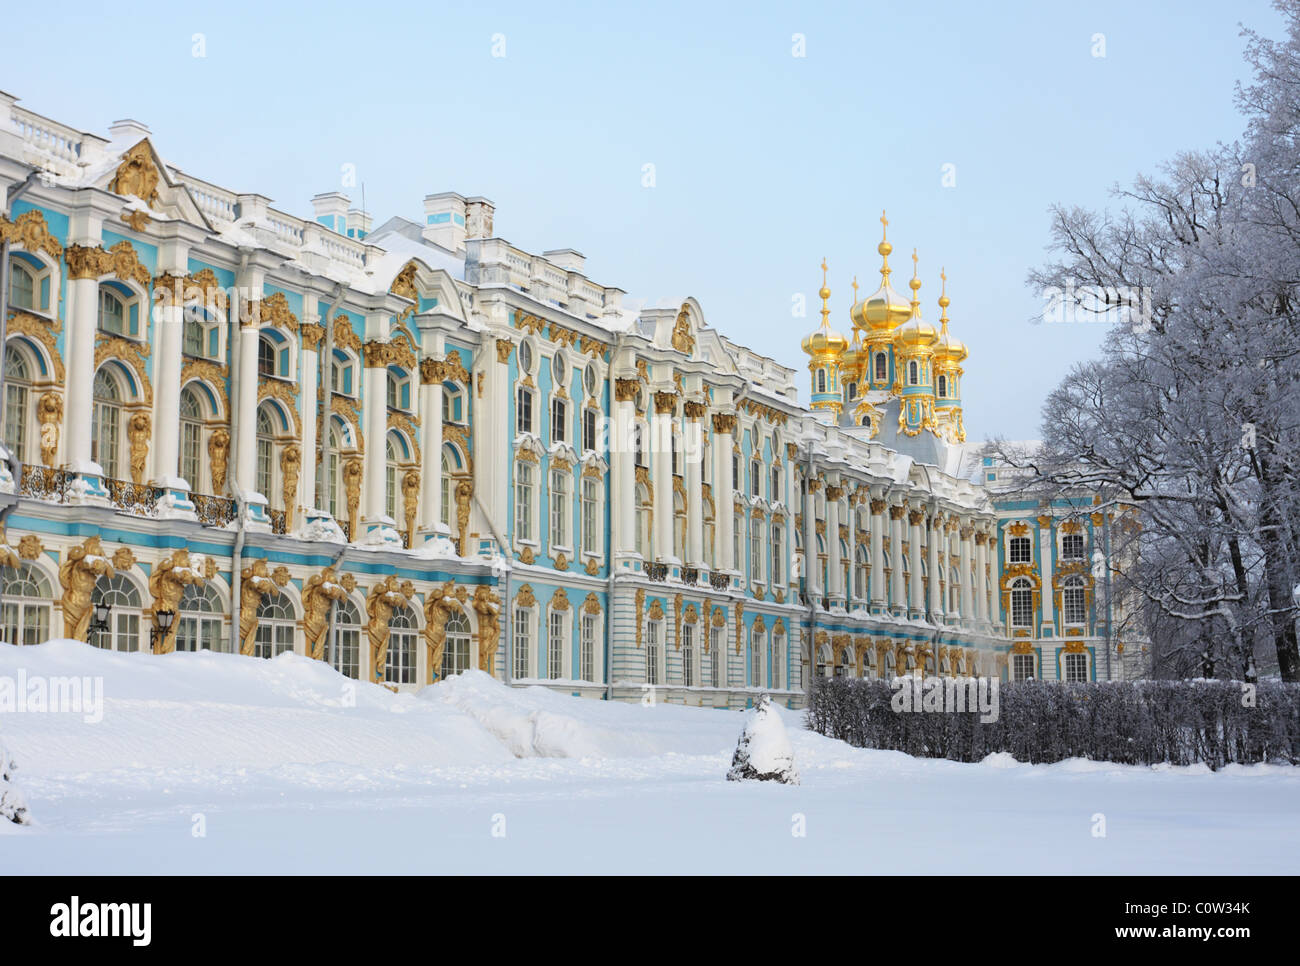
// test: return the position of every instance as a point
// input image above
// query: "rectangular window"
(16, 419)
(776, 485)
(652, 652)
(1019, 551)
(523, 411)
(1072, 546)
(559, 421)
(523, 501)
(555, 647)
(778, 649)
(523, 645)
(688, 655)
(590, 533)
(777, 553)
(1022, 667)
(190, 453)
(755, 478)
(587, 656)
(264, 468)
(755, 551)
(716, 645)
(1076, 668)
(737, 543)
(756, 659)
(559, 510)
(589, 430)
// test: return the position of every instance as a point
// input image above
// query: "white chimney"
(444, 220)
(332, 211)
(129, 131)
(358, 223)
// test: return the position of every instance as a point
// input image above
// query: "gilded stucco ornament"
(290, 467)
(49, 415)
(218, 451)
(464, 493)
(385, 597)
(81, 569)
(319, 594)
(353, 470)
(410, 502)
(256, 582)
(137, 175)
(139, 430)
(30, 232)
(439, 604)
(167, 583)
(487, 606)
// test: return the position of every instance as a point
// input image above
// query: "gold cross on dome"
(823, 269)
(855, 288)
(884, 222)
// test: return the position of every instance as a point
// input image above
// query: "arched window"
(199, 623)
(455, 652)
(1022, 602)
(106, 423)
(890, 669)
(391, 459)
(882, 367)
(860, 574)
(265, 451)
(912, 373)
(954, 591)
(399, 667)
(266, 361)
(1074, 603)
(112, 312)
(943, 386)
(453, 402)
(274, 625)
(123, 633)
(821, 380)
(28, 596)
(191, 436)
(22, 287)
(327, 478)
(345, 652)
(445, 495)
(17, 402)
(399, 388)
(342, 373)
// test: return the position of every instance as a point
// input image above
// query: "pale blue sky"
(765, 162)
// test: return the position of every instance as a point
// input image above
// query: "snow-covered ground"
(287, 767)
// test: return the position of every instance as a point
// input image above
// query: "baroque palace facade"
(415, 449)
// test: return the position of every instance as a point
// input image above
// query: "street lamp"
(99, 619)
(163, 619)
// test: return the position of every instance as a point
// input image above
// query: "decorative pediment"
(141, 174)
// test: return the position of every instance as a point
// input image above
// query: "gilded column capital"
(694, 410)
(877, 507)
(86, 262)
(724, 423)
(311, 334)
(665, 403)
(625, 390)
(898, 511)
(504, 348)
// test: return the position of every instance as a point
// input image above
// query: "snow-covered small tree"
(763, 752)
(13, 804)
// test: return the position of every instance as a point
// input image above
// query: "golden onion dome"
(915, 333)
(855, 356)
(883, 310)
(824, 340)
(947, 347)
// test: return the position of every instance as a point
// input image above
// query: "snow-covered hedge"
(1137, 722)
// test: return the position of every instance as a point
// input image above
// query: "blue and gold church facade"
(414, 448)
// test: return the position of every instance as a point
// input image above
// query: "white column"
(967, 581)
(1045, 568)
(812, 565)
(308, 378)
(692, 446)
(430, 512)
(167, 384)
(623, 471)
(246, 409)
(376, 408)
(935, 542)
(852, 523)
(724, 426)
(896, 597)
(661, 463)
(981, 577)
(916, 603)
(834, 559)
(877, 583)
(79, 347)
